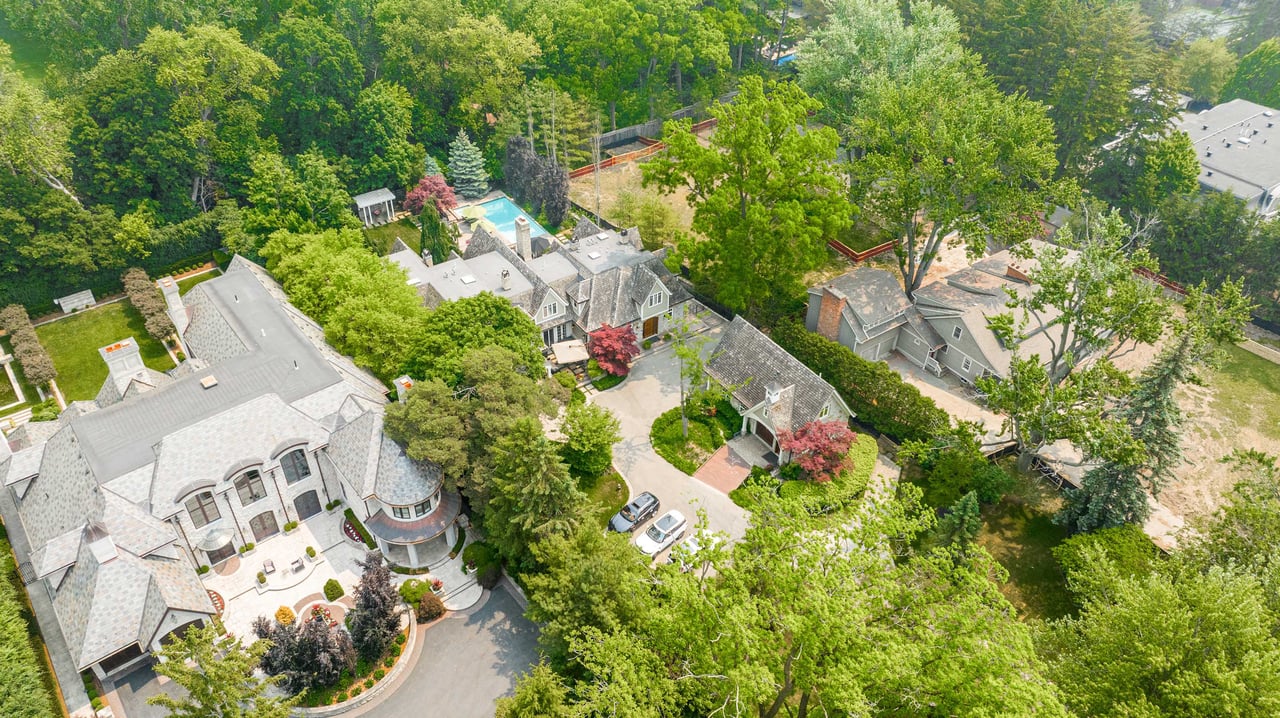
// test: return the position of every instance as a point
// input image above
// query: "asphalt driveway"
(469, 660)
(653, 387)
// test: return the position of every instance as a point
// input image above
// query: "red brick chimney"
(829, 313)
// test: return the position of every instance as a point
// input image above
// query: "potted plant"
(247, 549)
(290, 527)
(437, 585)
(311, 553)
(332, 506)
(261, 585)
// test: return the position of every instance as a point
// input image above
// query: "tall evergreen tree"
(553, 186)
(375, 620)
(960, 527)
(533, 495)
(519, 169)
(466, 167)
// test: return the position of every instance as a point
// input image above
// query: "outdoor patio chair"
(268, 566)
(297, 565)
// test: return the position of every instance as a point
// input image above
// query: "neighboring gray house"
(1232, 142)
(569, 289)
(112, 507)
(947, 327)
(773, 390)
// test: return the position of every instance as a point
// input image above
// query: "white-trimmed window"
(400, 512)
(655, 299)
(967, 364)
(202, 509)
(826, 409)
(550, 310)
(957, 332)
(423, 508)
(250, 488)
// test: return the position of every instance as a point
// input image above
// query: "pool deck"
(506, 227)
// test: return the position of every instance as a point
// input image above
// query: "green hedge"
(847, 486)
(26, 691)
(360, 529)
(878, 396)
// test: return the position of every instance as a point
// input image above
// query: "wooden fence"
(1161, 280)
(863, 255)
(652, 147)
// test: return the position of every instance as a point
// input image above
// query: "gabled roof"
(747, 361)
(873, 296)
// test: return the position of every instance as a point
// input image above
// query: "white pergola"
(376, 207)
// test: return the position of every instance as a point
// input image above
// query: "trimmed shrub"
(411, 591)
(489, 575)
(877, 394)
(390, 660)
(203, 569)
(400, 639)
(566, 379)
(333, 505)
(145, 296)
(1127, 547)
(368, 683)
(262, 577)
(291, 525)
(30, 353)
(355, 691)
(430, 607)
(285, 616)
(311, 551)
(379, 674)
(333, 590)
(247, 547)
(479, 553)
(847, 486)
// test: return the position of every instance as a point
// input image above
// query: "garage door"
(307, 504)
(763, 432)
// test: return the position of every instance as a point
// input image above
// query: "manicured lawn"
(382, 237)
(73, 343)
(1247, 389)
(1019, 532)
(20, 644)
(707, 432)
(606, 497)
(185, 285)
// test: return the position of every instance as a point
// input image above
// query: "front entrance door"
(763, 432)
(218, 555)
(308, 505)
(264, 525)
(650, 327)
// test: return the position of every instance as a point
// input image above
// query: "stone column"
(413, 555)
(451, 534)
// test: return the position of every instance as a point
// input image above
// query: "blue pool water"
(503, 212)
(786, 58)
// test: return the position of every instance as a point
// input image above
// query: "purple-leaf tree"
(820, 448)
(430, 189)
(613, 348)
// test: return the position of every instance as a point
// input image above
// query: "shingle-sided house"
(116, 504)
(773, 390)
(570, 289)
(945, 328)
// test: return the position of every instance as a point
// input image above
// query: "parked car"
(641, 509)
(664, 532)
(686, 554)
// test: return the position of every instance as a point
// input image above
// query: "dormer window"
(401, 512)
(655, 299)
(202, 509)
(423, 508)
(295, 467)
(550, 310)
(250, 488)
(826, 409)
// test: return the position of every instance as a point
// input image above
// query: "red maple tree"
(433, 189)
(613, 348)
(820, 448)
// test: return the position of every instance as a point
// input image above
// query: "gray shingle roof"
(874, 296)
(747, 361)
(401, 481)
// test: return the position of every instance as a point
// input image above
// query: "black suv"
(635, 513)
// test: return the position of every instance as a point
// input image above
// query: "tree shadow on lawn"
(1021, 537)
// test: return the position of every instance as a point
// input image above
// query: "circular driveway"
(467, 661)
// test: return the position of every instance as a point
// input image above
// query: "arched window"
(295, 467)
(250, 487)
(202, 509)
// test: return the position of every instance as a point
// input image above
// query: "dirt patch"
(615, 181)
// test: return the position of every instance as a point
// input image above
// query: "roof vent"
(602, 236)
(1267, 113)
(593, 255)
(1208, 173)
(468, 279)
(209, 381)
(1204, 127)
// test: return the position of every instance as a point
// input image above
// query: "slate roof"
(423, 529)
(746, 361)
(874, 296)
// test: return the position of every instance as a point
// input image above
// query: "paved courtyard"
(652, 388)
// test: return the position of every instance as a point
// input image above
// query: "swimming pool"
(503, 212)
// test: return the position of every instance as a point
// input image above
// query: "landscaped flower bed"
(363, 678)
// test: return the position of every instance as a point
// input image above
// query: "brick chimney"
(524, 239)
(829, 313)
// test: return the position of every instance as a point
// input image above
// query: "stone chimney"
(506, 280)
(524, 239)
(124, 363)
(173, 303)
(829, 313)
(402, 384)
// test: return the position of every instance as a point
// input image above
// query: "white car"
(687, 553)
(664, 532)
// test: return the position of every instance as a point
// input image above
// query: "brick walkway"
(730, 465)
